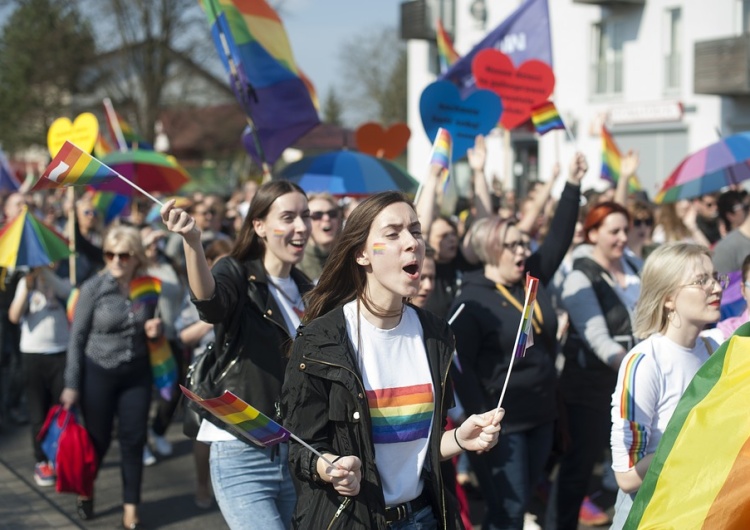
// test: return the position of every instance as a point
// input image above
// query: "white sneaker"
(160, 443)
(148, 457)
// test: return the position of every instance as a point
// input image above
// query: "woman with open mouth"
(259, 285)
(368, 385)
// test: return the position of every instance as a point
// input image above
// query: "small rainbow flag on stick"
(611, 162)
(524, 338)
(546, 118)
(247, 421)
(447, 55)
(442, 149)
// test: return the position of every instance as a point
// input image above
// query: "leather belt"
(405, 509)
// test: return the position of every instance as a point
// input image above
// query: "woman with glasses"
(485, 332)
(641, 229)
(681, 294)
(326, 219)
(108, 371)
(599, 295)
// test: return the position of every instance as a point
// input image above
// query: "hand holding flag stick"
(249, 422)
(74, 167)
(524, 339)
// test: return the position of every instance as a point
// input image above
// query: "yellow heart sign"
(83, 132)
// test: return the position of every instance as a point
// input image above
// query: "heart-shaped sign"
(374, 140)
(520, 89)
(83, 132)
(441, 106)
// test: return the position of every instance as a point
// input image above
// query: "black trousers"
(44, 384)
(125, 392)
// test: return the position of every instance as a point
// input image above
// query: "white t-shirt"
(396, 375)
(44, 326)
(652, 378)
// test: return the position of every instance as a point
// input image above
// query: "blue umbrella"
(348, 173)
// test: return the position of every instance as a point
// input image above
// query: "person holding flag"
(486, 333)
(368, 385)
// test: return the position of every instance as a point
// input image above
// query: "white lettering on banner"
(513, 42)
(646, 113)
(58, 171)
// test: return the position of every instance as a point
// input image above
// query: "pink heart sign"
(520, 89)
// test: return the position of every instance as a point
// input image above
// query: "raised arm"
(537, 204)
(628, 166)
(477, 157)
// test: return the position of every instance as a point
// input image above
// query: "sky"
(318, 28)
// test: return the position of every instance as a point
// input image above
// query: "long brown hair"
(342, 279)
(248, 245)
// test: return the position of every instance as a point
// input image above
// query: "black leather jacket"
(265, 341)
(324, 403)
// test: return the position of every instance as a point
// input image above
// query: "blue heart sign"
(441, 106)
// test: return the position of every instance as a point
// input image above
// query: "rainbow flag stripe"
(25, 240)
(442, 149)
(242, 418)
(145, 290)
(163, 366)
(698, 477)
(70, 304)
(532, 285)
(546, 118)
(447, 55)
(378, 248)
(73, 167)
(627, 410)
(611, 162)
(109, 204)
(401, 414)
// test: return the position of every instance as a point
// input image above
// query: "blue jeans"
(424, 519)
(623, 505)
(252, 491)
(508, 473)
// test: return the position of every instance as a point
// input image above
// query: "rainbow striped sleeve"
(73, 167)
(401, 414)
(546, 118)
(628, 409)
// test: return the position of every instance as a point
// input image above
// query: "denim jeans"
(508, 473)
(252, 491)
(623, 505)
(423, 519)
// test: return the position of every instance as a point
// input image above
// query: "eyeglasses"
(513, 246)
(643, 222)
(124, 257)
(707, 282)
(317, 216)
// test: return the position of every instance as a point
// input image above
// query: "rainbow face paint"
(278, 232)
(378, 248)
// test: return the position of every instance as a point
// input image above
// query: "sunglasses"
(317, 216)
(643, 222)
(124, 257)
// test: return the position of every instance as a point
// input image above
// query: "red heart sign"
(374, 140)
(520, 89)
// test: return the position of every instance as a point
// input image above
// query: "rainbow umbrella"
(152, 171)
(26, 241)
(110, 204)
(348, 173)
(8, 181)
(720, 164)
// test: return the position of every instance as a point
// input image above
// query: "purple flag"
(522, 36)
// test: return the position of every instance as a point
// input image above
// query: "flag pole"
(115, 124)
(515, 347)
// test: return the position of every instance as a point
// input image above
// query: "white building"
(665, 76)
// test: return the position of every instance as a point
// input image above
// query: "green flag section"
(700, 475)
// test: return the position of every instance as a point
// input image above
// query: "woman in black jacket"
(486, 330)
(367, 385)
(258, 284)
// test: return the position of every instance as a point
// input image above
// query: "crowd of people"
(336, 315)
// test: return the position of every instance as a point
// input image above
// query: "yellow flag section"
(700, 475)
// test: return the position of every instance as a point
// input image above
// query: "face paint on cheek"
(378, 248)
(278, 232)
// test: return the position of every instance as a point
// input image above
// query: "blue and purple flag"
(8, 181)
(524, 35)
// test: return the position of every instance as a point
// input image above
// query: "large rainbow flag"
(447, 55)
(73, 167)
(698, 478)
(242, 418)
(275, 94)
(611, 162)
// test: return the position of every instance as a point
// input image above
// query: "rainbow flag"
(132, 139)
(699, 475)
(145, 290)
(8, 180)
(546, 118)
(242, 418)
(732, 302)
(73, 167)
(525, 338)
(71, 303)
(102, 147)
(611, 162)
(109, 204)
(447, 55)
(163, 366)
(401, 414)
(442, 149)
(267, 82)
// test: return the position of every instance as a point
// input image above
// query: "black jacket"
(265, 341)
(324, 403)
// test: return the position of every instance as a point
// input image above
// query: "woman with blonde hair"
(681, 294)
(108, 371)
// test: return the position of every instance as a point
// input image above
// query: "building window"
(607, 58)
(745, 16)
(673, 47)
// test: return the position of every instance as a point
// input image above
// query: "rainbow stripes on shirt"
(73, 167)
(637, 447)
(546, 118)
(401, 414)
